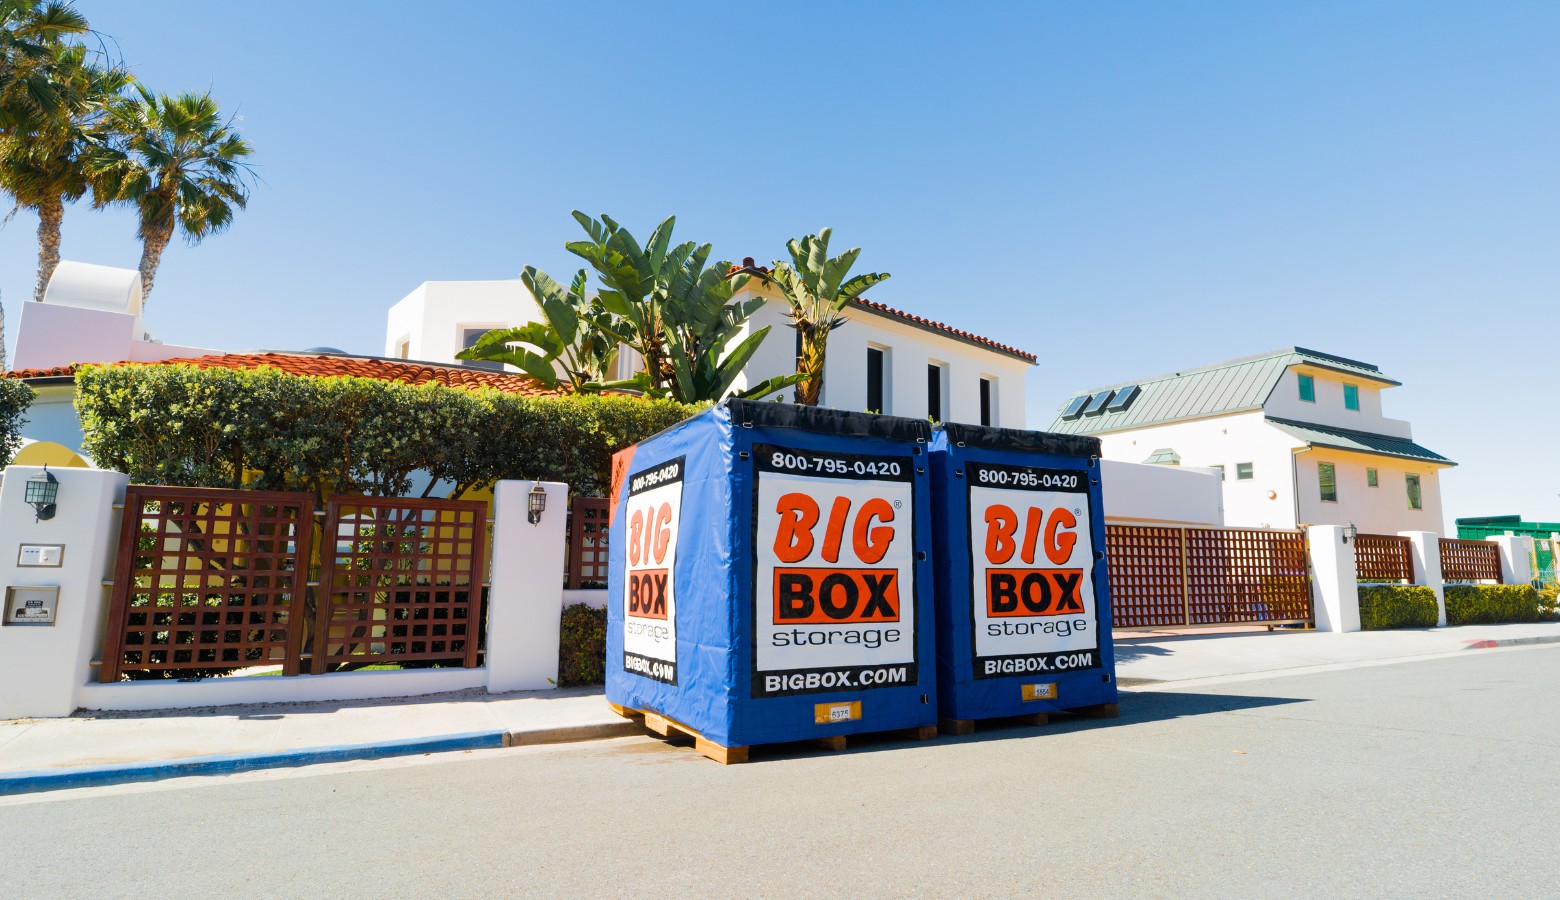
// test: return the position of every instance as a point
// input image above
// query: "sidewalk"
(111, 747)
(1146, 659)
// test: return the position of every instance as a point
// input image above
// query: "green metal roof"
(1234, 386)
(1358, 441)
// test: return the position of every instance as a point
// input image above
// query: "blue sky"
(1124, 189)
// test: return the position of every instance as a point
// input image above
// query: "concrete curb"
(568, 734)
(226, 764)
(1512, 642)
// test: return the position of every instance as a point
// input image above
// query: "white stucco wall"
(433, 316)
(48, 336)
(1169, 495)
(1285, 403)
(1267, 500)
(1373, 510)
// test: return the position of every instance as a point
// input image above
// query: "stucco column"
(525, 601)
(44, 667)
(1427, 568)
(1334, 580)
(1516, 558)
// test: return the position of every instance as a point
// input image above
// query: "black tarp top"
(1021, 441)
(757, 414)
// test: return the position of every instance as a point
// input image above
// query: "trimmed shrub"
(582, 647)
(1488, 604)
(1549, 602)
(15, 398)
(265, 429)
(1397, 606)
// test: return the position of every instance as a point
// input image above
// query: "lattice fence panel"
(1383, 557)
(1236, 576)
(208, 579)
(587, 559)
(1144, 564)
(1469, 561)
(401, 582)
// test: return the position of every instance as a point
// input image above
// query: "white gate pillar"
(43, 667)
(1427, 568)
(1334, 579)
(525, 600)
(1516, 558)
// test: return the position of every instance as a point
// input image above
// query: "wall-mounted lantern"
(1350, 532)
(535, 504)
(43, 490)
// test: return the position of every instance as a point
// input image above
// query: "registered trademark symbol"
(1077, 512)
(897, 504)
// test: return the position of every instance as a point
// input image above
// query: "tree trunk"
(810, 389)
(152, 247)
(49, 216)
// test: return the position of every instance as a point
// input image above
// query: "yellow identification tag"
(1039, 692)
(833, 713)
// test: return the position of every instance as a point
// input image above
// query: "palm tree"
(815, 287)
(30, 32)
(183, 166)
(46, 169)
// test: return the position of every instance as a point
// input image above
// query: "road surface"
(1438, 777)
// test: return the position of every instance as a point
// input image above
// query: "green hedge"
(1397, 606)
(582, 648)
(15, 398)
(261, 428)
(1486, 604)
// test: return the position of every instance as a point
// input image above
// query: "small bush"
(582, 647)
(15, 398)
(1488, 604)
(1549, 602)
(1397, 606)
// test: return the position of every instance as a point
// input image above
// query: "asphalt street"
(1438, 777)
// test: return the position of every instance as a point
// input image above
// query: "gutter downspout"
(1294, 478)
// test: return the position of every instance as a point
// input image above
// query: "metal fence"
(1182, 577)
(1469, 561)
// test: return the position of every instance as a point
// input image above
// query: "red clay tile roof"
(749, 268)
(327, 366)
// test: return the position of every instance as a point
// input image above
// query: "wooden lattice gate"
(208, 580)
(400, 581)
(1162, 577)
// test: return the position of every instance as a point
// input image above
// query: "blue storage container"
(770, 575)
(1023, 597)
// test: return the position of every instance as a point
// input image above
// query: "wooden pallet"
(671, 729)
(967, 726)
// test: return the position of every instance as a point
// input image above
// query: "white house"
(882, 359)
(1297, 436)
(89, 313)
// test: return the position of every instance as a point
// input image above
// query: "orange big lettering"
(793, 537)
(1059, 545)
(1001, 524)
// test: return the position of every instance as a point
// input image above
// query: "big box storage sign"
(834, 574)
(1023, 592)
(770, 574)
